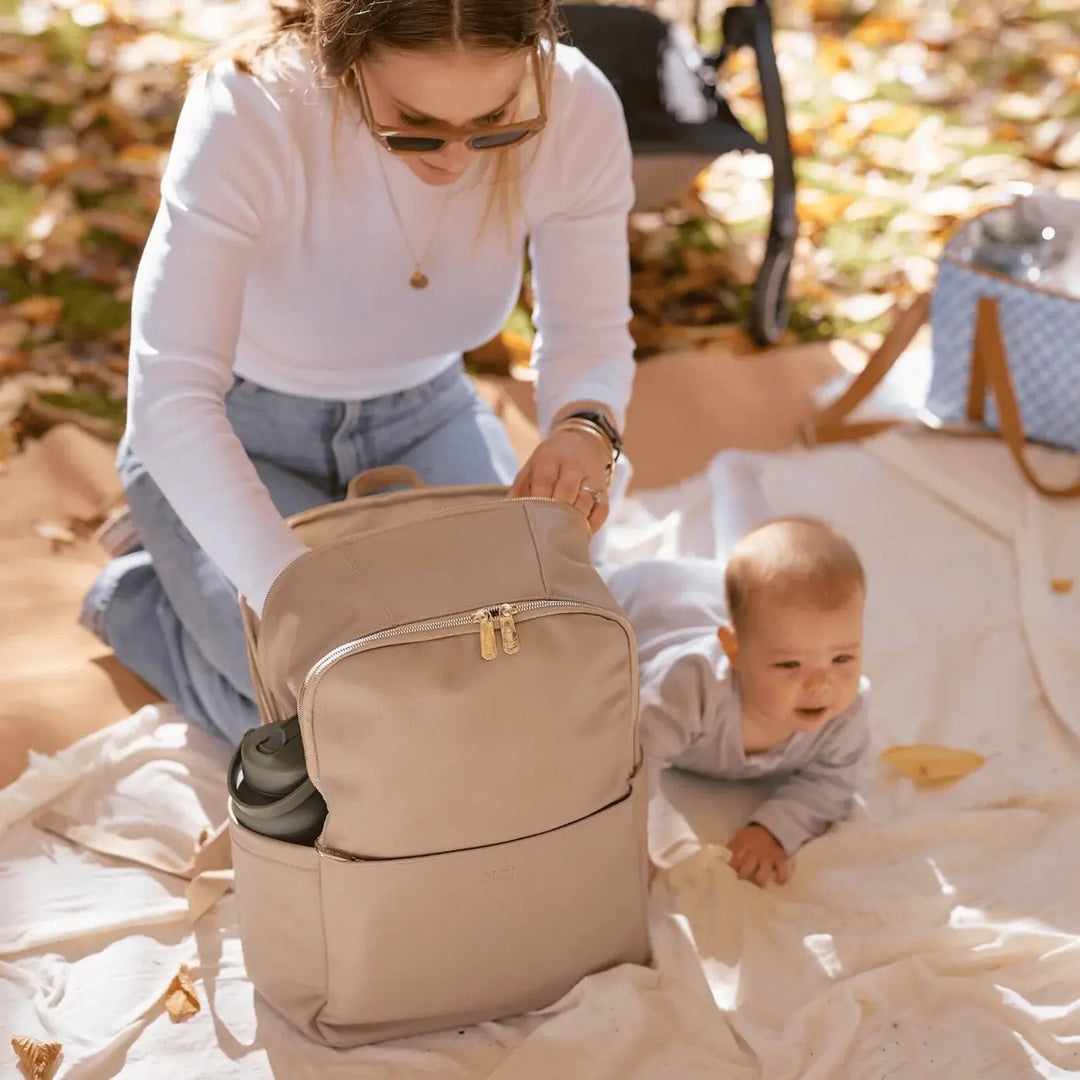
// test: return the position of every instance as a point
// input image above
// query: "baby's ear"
(729, 643)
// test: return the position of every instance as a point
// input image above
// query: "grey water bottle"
(270, 791)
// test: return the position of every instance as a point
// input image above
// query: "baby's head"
(795, 597)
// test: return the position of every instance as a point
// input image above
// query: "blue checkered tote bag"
(1040, 334)
(1006, 361)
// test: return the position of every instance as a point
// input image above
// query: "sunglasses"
(474, 136)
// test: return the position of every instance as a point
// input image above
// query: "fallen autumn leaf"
(181, 999)
(37, 1058)
(932, 766)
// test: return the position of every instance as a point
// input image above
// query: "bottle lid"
(272, 757)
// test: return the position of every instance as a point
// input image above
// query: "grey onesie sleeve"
(821, 791)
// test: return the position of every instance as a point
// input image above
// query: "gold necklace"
(418, 280)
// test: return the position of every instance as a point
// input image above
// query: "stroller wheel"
(769, 305)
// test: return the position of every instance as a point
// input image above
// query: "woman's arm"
(580, 257)
(583, 351)
(225, 186)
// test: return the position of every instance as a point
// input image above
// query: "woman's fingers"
(600, 511)
(545, 475)
(568, 487)
(522, 484)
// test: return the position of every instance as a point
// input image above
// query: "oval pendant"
(419, 279)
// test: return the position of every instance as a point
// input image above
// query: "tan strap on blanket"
(207, 870)
(989, 370)
(831, 424)
(992, 365)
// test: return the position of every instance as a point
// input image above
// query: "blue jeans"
(169, 613)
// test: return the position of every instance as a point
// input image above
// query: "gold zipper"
(489, 649)
(510, 642)
(484, 618)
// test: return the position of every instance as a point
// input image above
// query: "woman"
(344, 212)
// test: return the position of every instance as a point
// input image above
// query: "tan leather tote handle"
(990, 368)
(383, 477)
(830, 424)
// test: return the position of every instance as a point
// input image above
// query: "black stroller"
(634, 48)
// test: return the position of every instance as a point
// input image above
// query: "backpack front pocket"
(472, 729)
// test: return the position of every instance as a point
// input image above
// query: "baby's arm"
(822, 792)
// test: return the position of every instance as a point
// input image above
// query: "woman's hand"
(572, 467)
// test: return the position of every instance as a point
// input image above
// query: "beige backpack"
(467, 694)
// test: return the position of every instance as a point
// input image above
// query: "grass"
(90, 311)
(18, 204)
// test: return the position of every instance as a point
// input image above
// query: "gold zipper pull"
(489, 648)
(510, 642)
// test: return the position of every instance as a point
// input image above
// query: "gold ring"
(597, 496)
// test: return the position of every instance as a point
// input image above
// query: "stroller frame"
(668, 157)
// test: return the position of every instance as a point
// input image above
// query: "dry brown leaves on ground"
(904, 122)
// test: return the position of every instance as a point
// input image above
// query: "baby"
(776, 691)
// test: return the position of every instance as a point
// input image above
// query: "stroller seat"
(679, 122)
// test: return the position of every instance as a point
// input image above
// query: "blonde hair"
(791, 560)
(340, 33)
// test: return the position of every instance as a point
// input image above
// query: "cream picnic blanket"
(936, 934)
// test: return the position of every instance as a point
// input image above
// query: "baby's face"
(800, 666)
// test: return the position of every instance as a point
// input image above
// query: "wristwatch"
(598, 419)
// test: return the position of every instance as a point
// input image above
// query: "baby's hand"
(756, 855)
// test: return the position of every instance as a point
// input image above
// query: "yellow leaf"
(142, 159)
(741, 61)
(901, 120)
(519, 348)
(137, 153)
(37, 1058)
(875, 31)
(833, 55)
(803, 143)
(932, 765)
(821, 208)
(822, 10)
(181, 1000)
